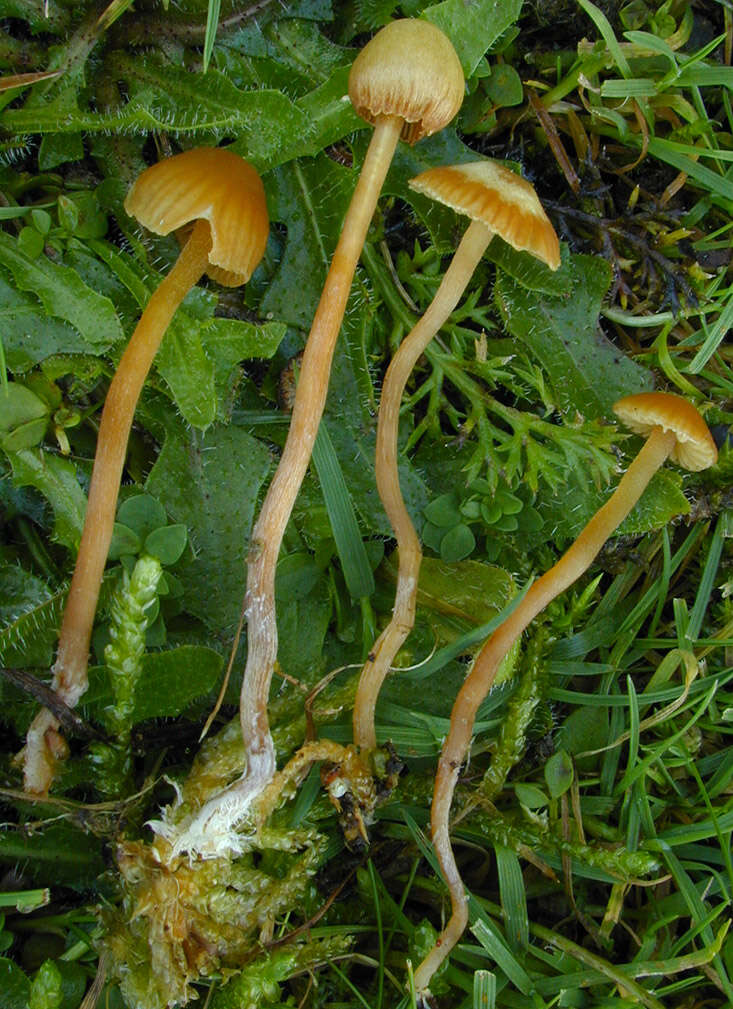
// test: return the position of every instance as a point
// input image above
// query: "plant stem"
(224, 810)
(308, 408)
(571, 566)
(70, 669)
(466, 259)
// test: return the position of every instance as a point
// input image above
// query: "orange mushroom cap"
(695, 449)
(215, 185)
(409, 69)
(491, 193)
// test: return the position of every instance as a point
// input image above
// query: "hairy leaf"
(311, 197)
(586, 372)
(29, 335)
(169, 682)
(56, 478)
(64, 295)
(189, 373)
(473, 26)
(211, 482)
(29, 616)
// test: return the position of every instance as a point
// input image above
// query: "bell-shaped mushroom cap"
(215, 185)
(409, 69)
(491, 193)
(695, 449)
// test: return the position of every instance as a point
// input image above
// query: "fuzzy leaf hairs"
(220, 198)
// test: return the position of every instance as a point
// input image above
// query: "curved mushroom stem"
(464, 262)
(477, 684)
(70, 668)
(310, 399)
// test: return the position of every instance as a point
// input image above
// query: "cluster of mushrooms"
(408, 83)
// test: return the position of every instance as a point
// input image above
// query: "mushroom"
(407, 82)
(224, 196)
(498, 201)
(674, 429)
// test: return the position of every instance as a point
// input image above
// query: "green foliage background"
(594, 819)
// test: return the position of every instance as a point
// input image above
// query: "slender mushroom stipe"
(407, 82)
(499, 202)
(675, 430)
(223, 195)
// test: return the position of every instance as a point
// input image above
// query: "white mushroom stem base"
(225, 824)
(570, 567)
(464, 262)
(70, 669)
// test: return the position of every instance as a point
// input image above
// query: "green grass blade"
(484, 990)
(513, 897)
(212, 23)
(603, 25)
(349, 544)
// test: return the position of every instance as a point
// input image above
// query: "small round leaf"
(124, 541)
(559, 773)
(457, 543)
(443, 511)
(168, 543)
(142, 513)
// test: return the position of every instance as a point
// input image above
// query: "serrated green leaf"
(661, 501)
(188, 372)
(586, 372)
(64, 295)
(168, 684)
(227, 341)
(473, 26)
(528, 271)
(311, 197)
(210, 482)
(273, 128)
(28, 618)
(565, 515)
(56, 478)
(330, 116)
(472, 590)
(300, 46)
(170, 681)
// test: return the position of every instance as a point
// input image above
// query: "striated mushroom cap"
(491, 193)
(215, 185)
(695, 449)
(409, 69)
